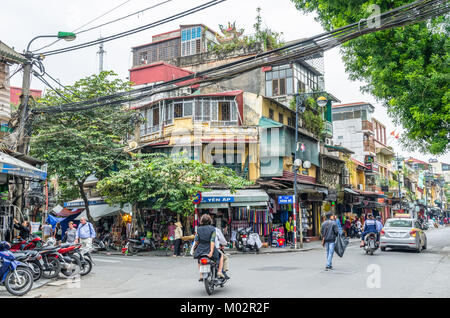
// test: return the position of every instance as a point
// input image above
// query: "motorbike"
(86, 260)
(140, 245)
(355, 231)
(98, 245)
(208, 269)
(33, 259)
(15, 275)
(423, 224)
(370, 243)
(247, 240)
(23, 245)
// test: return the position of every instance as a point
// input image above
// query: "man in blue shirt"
(370, 226)
(85, 233)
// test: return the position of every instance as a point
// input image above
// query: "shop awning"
(63, 212)
(102, 210)
(224, 198)
(16, 167)
(351, 191)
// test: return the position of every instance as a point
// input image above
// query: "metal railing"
(367, 125)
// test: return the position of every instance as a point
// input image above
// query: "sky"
(22, 20)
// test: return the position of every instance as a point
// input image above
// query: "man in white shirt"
(220, 243)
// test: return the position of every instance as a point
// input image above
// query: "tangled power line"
(411, 13)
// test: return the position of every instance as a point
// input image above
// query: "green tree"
(406, 68)
(76, 145)
(168, 181)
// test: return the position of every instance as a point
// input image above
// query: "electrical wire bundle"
(414, 12)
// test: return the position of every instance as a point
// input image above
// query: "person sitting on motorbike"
(370, 226)
(205, 243)
(221, 242)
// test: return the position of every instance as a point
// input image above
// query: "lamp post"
(300, 104)
(21, 145)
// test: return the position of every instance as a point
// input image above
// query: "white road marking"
(117, 258)
(105, 260)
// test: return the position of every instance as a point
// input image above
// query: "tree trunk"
(86, 201)
(187, 225)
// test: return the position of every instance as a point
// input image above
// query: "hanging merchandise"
(257, 219)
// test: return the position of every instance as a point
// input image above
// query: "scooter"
(355, 231)
(370, 243)
(15, 275)
(140, 245)
(23, 245)
(208, 269)
(33, 259)
(248, 241)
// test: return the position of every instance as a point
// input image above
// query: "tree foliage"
(76, 145)
(167, 181)
(406, 68)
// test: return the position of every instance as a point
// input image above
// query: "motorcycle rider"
(370, 226)
(205, 243)
(221, 242)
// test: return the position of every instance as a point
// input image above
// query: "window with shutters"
(191, 41)
(178, 110)
(280, 81)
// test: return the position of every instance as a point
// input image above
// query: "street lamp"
(297, 165)
(322, 101)
(22, 146)
(68, 36)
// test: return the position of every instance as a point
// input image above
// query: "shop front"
(112, 220)
(12, 169)
(310, 198)
(234, 211)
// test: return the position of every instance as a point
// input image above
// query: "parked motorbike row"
(24, 262)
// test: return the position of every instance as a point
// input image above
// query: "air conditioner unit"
(360, 187)
(329, 141)
(184, 91)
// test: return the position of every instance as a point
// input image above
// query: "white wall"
(351, 134)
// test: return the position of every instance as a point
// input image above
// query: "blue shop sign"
(217, 199)
(286, 199)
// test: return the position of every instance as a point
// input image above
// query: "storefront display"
(257, 219)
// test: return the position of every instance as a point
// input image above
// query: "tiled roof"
(8, 54)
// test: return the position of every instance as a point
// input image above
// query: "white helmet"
(50, 242)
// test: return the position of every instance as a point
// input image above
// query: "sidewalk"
(316, 245)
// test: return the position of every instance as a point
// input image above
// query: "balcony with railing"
(328, 129)
(369, 146)
(367, 126)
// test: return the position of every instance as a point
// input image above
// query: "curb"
(230, 252)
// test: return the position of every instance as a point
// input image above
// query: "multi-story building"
(384, 156)
(8, 57)
(244, 123)
(441, 168)
(355, 128)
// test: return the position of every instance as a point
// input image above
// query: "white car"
(403, 233)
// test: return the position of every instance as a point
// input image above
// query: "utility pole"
(399, 181)
(21, 145)
(101, 52)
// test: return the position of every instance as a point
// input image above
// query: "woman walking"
(58, 233)
(178, 236)
(71, 234)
